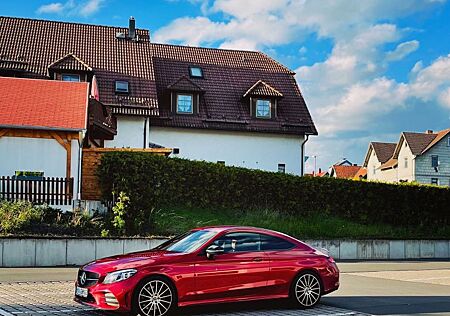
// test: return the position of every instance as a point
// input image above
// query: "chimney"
(132, 29)
(429, 131)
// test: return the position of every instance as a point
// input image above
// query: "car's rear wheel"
(154, 296)
(307, 290)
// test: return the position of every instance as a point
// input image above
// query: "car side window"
(239, 242)
(275, 243)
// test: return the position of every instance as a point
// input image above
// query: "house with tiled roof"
(240, 108)
(417, 157)
(377, 154)
(43, 124)
(344, 171)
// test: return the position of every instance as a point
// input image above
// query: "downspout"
(302, 164)
(145, 133)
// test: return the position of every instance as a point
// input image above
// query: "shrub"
(17, 216)
(152, 181)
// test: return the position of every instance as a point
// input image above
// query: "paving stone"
(56, 298)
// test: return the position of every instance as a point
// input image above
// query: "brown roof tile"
(418, 141)
(40, 43)
(227, 76)
(384, 151)
(151, 68)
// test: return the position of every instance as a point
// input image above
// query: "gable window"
(282, 168)
(374, 171)
(434, 161)
(263, 108)
(196, 72)
(70, 77)
(406, 162)
(122, 86)
(435, 181)
(185, 104)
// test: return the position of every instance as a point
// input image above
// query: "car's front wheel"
(154, 296)
(306, 290)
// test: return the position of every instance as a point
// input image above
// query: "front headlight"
(118, 276)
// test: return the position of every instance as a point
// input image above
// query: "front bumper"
(113, 297)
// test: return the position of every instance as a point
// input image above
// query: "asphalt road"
(374, 288)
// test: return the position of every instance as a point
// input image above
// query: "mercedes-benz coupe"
(209, 265)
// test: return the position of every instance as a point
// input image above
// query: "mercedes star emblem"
(83, 278)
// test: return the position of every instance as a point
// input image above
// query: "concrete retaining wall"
(42, 252)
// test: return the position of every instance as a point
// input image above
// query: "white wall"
(405, 173)
(37, 154)
(250, 150)
(32, 154)
(130, 133)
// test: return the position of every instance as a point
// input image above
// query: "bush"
(17, 216)
(152, 181)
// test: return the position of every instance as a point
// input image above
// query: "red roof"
(43, 103)
(346, 172)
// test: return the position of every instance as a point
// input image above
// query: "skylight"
(121, 86)
(196, 72)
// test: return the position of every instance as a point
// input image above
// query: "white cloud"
(71, 7)
(90, 7)
(348, 91)
(402, 50)
(51, 8)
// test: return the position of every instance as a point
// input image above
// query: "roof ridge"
(73, 23)
(229, 50)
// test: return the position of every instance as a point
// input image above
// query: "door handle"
(258, 259)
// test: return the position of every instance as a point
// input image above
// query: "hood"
(128, 261)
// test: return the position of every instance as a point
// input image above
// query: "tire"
(306, 290)
(154, 296)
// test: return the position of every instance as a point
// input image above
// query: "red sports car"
(209, 265)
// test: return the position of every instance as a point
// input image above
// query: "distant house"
(377, 154)
(416, 157)
(344, 171)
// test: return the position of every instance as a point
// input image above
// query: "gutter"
(302, 164)
(44, 128)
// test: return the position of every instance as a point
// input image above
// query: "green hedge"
(154, 181)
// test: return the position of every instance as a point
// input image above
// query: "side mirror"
(213, 250)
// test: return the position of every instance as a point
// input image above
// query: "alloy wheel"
(307, 290)
(155, 298)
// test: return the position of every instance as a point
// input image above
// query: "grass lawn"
(174, 221)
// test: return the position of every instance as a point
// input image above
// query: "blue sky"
(367, 69)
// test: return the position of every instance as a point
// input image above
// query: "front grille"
(90, 279)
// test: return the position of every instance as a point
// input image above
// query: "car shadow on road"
(388, 305)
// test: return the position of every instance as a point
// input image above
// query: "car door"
(241, 271)
(283, 256)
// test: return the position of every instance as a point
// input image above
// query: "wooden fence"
(53, 191)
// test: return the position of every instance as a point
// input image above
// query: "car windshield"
(188, 242)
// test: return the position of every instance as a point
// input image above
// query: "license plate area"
(81, 292)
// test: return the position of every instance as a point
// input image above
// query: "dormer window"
(263, 108)
(195, 72)
(70, 77)
(122, 86)
(185, 104)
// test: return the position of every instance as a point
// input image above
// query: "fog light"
(111, 300)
